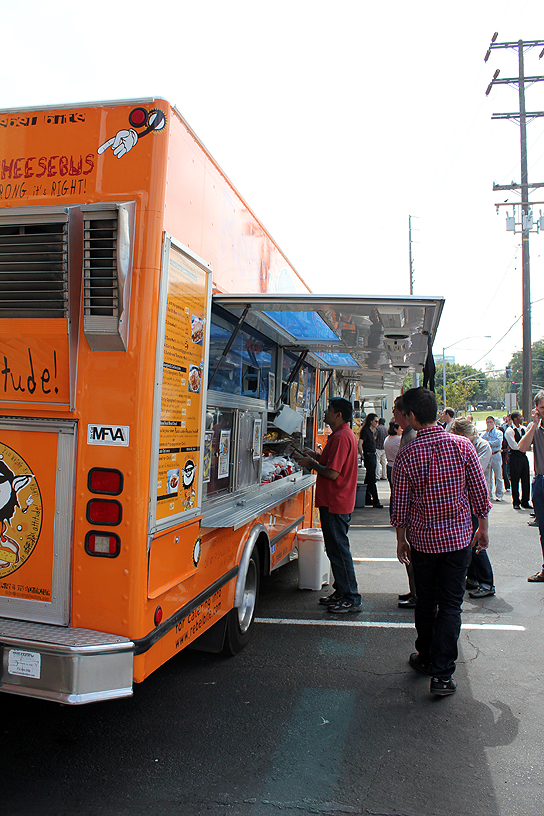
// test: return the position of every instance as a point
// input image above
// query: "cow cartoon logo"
(122, 143)
(189, 472)
(188, 476)
(20, 511)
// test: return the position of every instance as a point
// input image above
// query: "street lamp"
(470, 337)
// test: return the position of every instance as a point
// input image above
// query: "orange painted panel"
(173, 557)
(78, 155)
(34, 362)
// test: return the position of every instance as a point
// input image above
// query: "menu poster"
(224, 455)
(207, 466)
(257, 438)
(271, 391)
(300, 392)
(293, 395)
(185, 334)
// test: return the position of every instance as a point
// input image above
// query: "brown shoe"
(537, 577)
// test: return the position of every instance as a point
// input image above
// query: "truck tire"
(240, 619)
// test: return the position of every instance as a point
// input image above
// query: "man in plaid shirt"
(438, 479)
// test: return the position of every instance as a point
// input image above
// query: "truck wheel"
(240, 619)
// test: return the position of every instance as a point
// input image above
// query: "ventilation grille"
(34, 270)
(101, 295)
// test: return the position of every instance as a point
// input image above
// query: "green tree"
(496, 386)
(516, 364)
(465, 386)
(408, 382)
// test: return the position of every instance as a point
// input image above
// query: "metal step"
(60, 663)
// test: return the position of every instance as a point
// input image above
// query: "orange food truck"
(159, 356)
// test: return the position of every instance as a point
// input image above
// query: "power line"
(494, 346)
(498, 341)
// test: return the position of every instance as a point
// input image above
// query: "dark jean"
(538, 504)
(519, 471)
(370, 479)
(440, 586)
(480, 569)
(335, 528)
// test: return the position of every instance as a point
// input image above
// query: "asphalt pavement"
(316, 715)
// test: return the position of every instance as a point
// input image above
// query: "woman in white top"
(391, 447)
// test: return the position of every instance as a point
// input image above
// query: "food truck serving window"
(380, 338)
(251, 358)
(305, 326)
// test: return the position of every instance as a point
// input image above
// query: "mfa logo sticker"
(20, 511)
(108, 435)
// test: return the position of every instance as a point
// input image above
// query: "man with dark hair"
(343, 406)
(336, 487)
(437, 479)
(518, 462)
(447, 417)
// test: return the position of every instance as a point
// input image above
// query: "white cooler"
(313, 565)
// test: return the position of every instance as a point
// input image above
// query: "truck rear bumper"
(71, 666)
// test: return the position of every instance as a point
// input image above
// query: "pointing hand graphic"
(121, 143)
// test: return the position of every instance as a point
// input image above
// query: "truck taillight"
(99, 543)
(105, 480)
(104, 511)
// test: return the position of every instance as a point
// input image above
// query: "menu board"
(183, 388)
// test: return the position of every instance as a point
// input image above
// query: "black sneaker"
(442, 688)
(418, 664)
(344, 607)
(330, 600)
(482, 592)
(472, 584)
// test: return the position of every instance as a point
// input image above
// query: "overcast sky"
(335, 122)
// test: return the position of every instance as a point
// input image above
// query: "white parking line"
(371, 527)
(499, 627)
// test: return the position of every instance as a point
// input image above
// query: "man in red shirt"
(336, 487)
(438, 478)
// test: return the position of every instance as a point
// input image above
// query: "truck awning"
(373, 340)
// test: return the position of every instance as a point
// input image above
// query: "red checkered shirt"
(437, 478)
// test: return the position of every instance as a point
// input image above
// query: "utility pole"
(522, 82)
(416, 375)
(410, 254)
